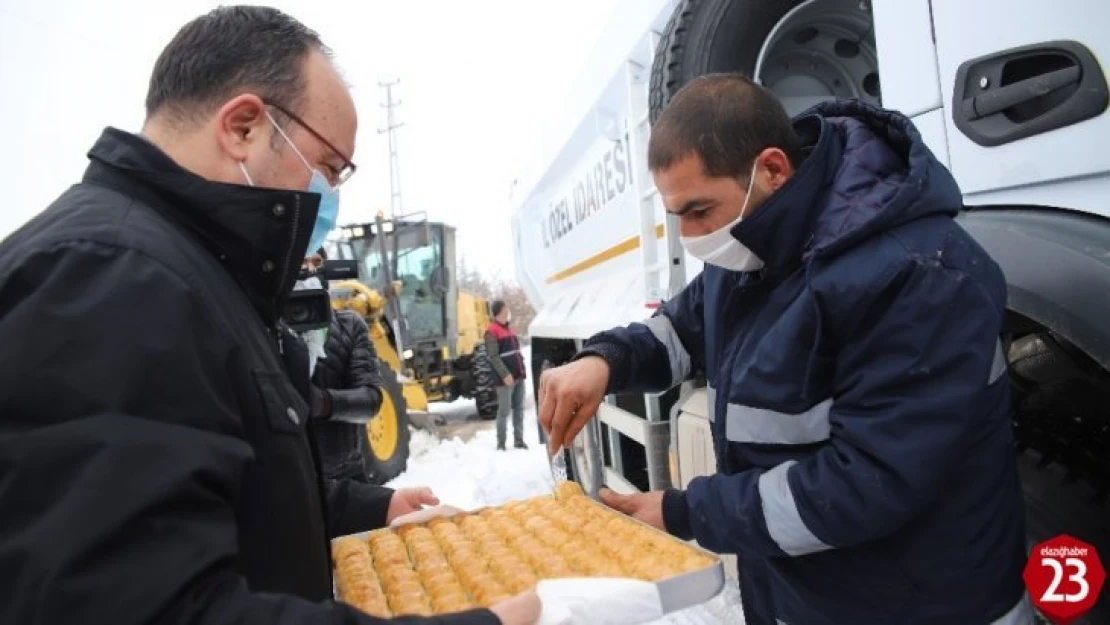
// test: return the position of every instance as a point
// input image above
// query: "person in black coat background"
(154, 463)
(347, 393)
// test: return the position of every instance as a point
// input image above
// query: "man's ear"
(778, 167)
(240, 123)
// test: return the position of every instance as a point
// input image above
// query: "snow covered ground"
(471, 474)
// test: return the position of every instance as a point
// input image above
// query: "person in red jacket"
(503, 348)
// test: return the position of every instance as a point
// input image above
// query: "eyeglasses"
(348, 169)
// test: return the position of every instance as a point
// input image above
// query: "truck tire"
(804, 52)
(707, 36)
(385, 439)
(485, 392)
(1060, 400)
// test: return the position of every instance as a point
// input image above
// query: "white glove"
(598, 601)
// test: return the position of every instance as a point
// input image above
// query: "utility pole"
(390, 105)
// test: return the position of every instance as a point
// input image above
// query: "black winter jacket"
(154, 466)
(350, 378)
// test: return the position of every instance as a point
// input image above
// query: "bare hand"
(644, 507)
(508, 380)
(569, 396)
(523, 609)
(408, 500)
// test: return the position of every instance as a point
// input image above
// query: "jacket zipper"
(293, 238)
(278, 334)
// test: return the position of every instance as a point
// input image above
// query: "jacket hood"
(260, 235)
(868, 170)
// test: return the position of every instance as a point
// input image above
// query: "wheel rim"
(382, 430)
(821, 51)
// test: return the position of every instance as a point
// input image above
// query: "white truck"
(1010, 94)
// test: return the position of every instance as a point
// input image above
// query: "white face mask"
(722, 249)
(314, 339)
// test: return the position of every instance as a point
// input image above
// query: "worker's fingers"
(554, 431)
(546, 412)
(547, 408)
(620, 503)
(545, 377)
(554, 398)
(565, 408)
(578, 420)
(556, 424)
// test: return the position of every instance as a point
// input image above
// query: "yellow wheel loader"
(428, 335)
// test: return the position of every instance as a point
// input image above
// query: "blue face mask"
(328, 213)
(329, 209)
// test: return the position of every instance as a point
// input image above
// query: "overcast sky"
(480, 80)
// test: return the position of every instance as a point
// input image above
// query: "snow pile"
(457, 410)
(421, 443)
(474, 474)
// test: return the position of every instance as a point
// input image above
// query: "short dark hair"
(322, 252)
(228, 51)
(496, 306)
(725, 119)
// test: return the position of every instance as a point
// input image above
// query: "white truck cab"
(1010, 94)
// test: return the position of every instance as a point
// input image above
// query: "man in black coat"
(348, 384)
(154, 466)
(347, 393)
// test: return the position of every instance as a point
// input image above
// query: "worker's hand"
(408, 500)
(523, 609)
(644, 507)
(508, 380)
(569, 396)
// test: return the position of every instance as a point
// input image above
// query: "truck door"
(1024, 86)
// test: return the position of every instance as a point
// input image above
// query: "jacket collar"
(868, 171)
(259, 235)
(780, 230)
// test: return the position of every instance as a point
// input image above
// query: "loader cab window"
(419, 257)
(421, 304)
(340, 250)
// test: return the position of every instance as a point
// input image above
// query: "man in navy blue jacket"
(848, 330)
